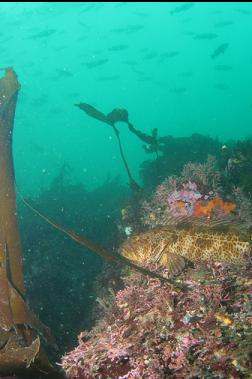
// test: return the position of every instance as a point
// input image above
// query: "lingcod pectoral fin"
(176, 264)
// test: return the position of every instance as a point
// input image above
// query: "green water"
(152, 58)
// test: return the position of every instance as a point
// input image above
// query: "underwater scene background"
(133, 129)
(147, 57)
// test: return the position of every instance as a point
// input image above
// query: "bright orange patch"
(180, 204)
(206, 209)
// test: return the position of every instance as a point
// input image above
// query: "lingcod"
(172, 248)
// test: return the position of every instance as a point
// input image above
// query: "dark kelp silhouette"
(20, 344)
(92, 112)
(121, 115)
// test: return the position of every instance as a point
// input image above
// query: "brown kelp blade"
(19, 340)
(97, 249)
(6, 317)
(93, 112)
(118, 115)
(9, 233)
(28, 361)
(20, 345)
(113, 117)
(14, 310)
(18, 357)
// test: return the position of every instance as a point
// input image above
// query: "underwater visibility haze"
(150, 58)
(125, 190)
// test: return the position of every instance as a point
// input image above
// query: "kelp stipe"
(115, 116)
(97, 249)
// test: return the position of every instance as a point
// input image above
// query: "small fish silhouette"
(220, 50)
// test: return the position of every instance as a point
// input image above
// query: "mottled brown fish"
(172, 248)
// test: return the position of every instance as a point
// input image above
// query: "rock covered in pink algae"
(154, 331)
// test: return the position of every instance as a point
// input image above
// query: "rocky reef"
(199, 327)
(153, 331)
